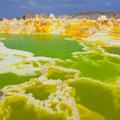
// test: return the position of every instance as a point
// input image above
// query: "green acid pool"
(83, 83)
(54, 46)
(91, 63)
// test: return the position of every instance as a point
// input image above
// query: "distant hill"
(94, 15)
(89, 15)
(81, 15)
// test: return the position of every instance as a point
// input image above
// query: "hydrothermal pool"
(54, 46)
(48, 77)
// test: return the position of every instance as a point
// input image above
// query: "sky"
(16, 8)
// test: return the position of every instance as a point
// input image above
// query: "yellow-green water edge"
(83, 86)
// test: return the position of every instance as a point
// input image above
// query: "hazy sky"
(13, 8)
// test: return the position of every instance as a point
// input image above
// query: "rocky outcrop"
(29, 15)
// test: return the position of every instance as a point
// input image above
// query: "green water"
(54, 46)
(113, 50)
(93, 65)
(12, 79)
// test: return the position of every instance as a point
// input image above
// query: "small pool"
(12, 79)
(113, 50)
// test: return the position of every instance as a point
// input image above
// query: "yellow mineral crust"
(42, 100)
(77, 28)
